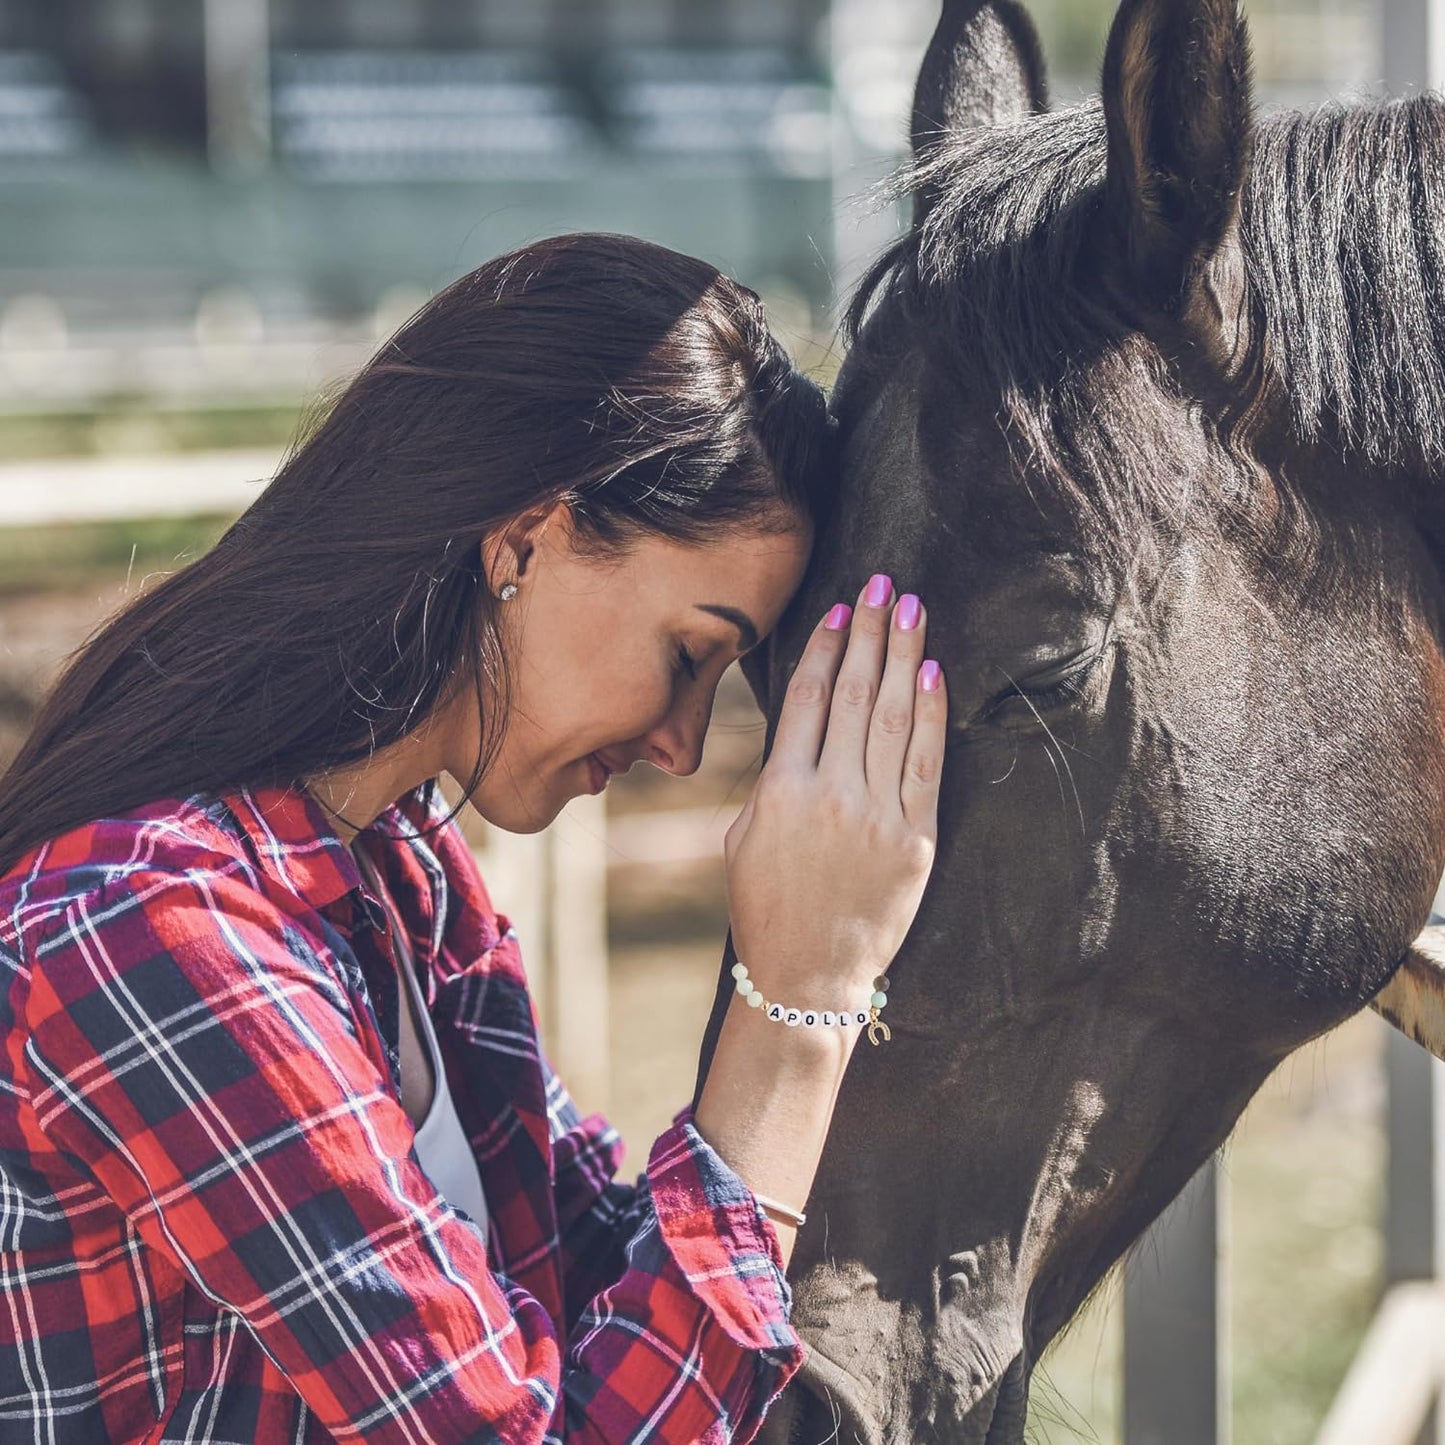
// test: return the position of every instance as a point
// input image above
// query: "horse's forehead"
(912, 443)
(928, 476)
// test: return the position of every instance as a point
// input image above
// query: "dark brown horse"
(1149, 405)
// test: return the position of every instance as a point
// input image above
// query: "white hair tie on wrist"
(771, 1206)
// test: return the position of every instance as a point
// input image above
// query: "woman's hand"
(827, 862)
(826, 868)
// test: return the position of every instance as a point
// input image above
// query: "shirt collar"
(297, 844)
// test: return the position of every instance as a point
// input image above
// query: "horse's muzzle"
(810, 1414)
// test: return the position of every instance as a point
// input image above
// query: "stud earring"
(509, 591)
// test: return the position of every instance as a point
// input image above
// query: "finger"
(856, 689)
(923, 766)
(891, 726)
(803, 717)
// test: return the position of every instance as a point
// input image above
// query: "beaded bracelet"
(815, 1018)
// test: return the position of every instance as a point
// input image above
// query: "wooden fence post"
(1176, 1323)
(1414, 1197)
(578, 987)
(553, 887)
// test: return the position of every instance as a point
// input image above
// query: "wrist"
(795, 1046)
(767, 1101)
(849, 1020)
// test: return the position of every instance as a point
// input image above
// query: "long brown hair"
(638, 385)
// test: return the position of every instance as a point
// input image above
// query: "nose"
(675, 745)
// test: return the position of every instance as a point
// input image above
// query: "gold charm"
(874, 1024)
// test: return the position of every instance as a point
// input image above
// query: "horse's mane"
(1343, 225)
(1344, 228)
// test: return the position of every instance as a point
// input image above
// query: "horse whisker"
(1049, 733)
(1010, 772)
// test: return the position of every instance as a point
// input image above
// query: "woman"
(280, 1157)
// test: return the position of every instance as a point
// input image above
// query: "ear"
(509, 551)
(1177, 107)
(984, 66)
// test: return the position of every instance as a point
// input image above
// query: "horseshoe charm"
(874, 1025)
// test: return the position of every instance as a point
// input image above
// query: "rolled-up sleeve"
(688, 1232)
(195, 1049)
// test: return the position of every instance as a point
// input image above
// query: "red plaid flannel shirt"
(213, 1226)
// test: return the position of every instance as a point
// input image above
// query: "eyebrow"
(747, 628)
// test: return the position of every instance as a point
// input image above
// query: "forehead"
(750, 568)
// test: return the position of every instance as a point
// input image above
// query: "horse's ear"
(1177, 105)
(984, 65)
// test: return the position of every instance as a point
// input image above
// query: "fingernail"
(838, 618)
(929, 676)
(909, 611)
(880, 589)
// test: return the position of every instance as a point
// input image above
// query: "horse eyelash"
(1052, 696)
(1041, 699)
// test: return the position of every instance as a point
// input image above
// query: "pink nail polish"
(880, 589)
(929, 676)
(838, 618)
(909, 611)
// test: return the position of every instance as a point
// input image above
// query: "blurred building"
(248, 168)
(189, 186)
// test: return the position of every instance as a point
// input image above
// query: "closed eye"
(1061, 692)
(1057, 688)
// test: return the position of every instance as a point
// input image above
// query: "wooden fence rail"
(1396, 1377)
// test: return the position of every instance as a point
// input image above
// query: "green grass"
(75, 555)
(138, 426)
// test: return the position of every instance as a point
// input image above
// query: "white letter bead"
(806, 1018)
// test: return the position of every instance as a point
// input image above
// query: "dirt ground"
(1304, 1166)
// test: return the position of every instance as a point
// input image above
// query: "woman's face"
(616, 660)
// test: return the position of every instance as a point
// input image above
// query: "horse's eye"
(1031, 698)
(1065, 690)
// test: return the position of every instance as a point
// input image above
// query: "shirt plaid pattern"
(213, 1226)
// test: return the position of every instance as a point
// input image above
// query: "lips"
(598, 773)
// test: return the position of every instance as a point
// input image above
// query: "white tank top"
(441, 1145)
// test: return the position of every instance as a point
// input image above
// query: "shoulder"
(157, 912)
(176, 842)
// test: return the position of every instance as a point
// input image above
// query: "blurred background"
(210, 210)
